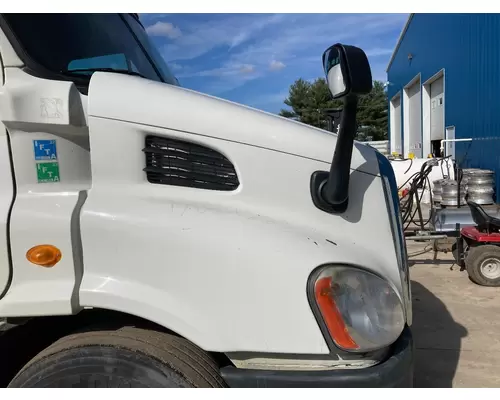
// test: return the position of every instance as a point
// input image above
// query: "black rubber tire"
(476, 256)
(125, 357)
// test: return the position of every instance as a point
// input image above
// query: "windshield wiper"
(118, 71)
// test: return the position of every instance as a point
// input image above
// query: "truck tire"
(126, 357)
(483, 265)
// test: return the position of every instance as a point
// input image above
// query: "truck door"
(42, 122)
(6, 197)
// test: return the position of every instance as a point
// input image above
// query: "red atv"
(479, 250)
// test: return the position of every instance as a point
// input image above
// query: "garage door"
(437, 110)
(415, 119)
(396, 125)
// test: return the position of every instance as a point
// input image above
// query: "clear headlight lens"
(361, 311)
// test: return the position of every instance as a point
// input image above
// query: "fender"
(247, 295)
(228, 271)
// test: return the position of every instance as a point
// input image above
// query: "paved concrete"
(456, 324)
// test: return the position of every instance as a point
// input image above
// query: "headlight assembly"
(360, 310)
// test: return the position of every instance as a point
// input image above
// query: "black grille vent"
(179, 163)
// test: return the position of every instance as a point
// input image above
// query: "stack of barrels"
(437, 190)
(449, 193)
(480, 185)
(477, 184)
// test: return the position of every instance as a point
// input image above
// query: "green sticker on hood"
(47, 172)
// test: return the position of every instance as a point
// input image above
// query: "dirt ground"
(456, 323)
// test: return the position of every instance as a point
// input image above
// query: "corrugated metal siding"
(467, 47)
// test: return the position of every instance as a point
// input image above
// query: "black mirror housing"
(347, 71)
(349, 75)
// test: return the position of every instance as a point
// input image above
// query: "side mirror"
(347, 71)
(348, 74)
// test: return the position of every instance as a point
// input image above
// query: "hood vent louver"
(180, 163)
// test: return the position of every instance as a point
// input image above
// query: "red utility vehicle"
(479, 252)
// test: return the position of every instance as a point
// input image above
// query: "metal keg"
(466, 174)
(480, 186)
(480, 176)
(437, 189)
(449, 193)
(480, 195)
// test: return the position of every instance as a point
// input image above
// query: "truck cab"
(154, 236)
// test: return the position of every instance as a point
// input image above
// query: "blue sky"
(254, 58)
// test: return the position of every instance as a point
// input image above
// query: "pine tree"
(372, 113)
(308, 102)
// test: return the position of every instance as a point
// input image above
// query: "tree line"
(309, 102)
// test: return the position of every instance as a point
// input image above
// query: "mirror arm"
(330, 191)
(336, 190)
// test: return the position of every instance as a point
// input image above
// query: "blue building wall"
(467, 46)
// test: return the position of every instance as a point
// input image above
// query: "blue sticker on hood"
(45, 149)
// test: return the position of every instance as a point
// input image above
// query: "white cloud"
(316, 30)
(247, 69)
(254, 45)
(175, 66)
(225, 78)
(231, 31)
(299, 35)
(153, 17)
(276, 65)
(377, 51)
(161, 28)
(229, 69)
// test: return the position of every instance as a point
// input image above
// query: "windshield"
(75, 45)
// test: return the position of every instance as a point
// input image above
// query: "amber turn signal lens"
(331, 315)
(44, 255)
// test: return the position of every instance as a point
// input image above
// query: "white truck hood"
(138, 100)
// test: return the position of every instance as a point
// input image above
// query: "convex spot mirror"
(347, 71)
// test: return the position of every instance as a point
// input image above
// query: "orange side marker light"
(44, 255)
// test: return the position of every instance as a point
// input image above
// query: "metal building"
(444, 83)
